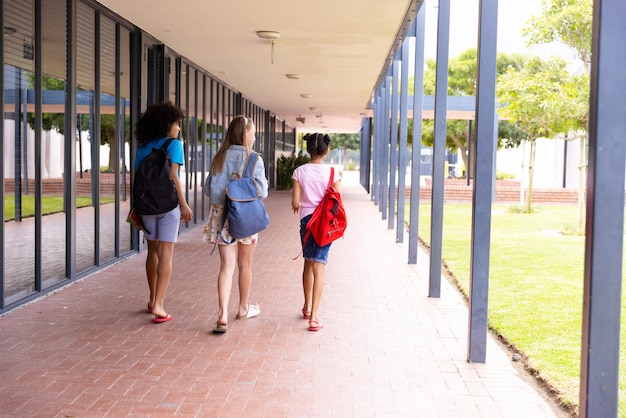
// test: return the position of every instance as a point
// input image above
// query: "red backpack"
(328, 221)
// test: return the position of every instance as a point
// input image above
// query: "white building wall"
(52, 155)
(51, 152)
(550, 157)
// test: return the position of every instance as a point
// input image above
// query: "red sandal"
(306, 314)
(315, 325)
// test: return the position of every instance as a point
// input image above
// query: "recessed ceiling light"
(294, 76)
(306, 95)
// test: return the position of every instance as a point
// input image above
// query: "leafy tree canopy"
(565, 21)
(542, 99)
(462, 72)
(345, 141)
(462, 82)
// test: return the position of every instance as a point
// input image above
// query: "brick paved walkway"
(387, 350)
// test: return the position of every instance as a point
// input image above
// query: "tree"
(543, 100)
(345, 142)
(565, 21)
(569, 22)
(462, 82)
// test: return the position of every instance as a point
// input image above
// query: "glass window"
(108, 148)
(123, 139)
(53, 151)
(86, 187)
(19, 152)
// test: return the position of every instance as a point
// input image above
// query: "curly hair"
(156, 121)
(316, 144)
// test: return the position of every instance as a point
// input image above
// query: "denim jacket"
(234, 164)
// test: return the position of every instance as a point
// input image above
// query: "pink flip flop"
(315, 325)
(160, 319)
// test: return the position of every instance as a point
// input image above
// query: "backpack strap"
(167, 144)
(249, 169)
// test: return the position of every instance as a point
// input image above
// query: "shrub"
(570, 229)
(522, 209)
(285, 167)
(501, 175)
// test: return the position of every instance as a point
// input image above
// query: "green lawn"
(535, 286)
(50, 204)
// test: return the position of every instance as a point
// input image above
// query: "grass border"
(520, 363)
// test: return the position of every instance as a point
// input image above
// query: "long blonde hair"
(235, 135)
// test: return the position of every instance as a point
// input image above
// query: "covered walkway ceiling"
(339, 48)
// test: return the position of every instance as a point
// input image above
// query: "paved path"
(387, 350)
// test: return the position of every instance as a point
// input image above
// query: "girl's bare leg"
(244, 263)
(318, 288)
(307, 284)
(164, 273)
(228, 262)
(152, 263)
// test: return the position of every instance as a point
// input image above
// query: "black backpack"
(153, 189)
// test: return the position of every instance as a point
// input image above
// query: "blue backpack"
(244, 207)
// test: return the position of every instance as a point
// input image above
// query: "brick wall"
(54, 186)
(507, 191)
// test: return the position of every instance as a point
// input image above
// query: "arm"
(295, 196)
(259, 176)
(337, 183)
(185, 210)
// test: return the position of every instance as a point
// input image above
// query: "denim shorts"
(163, 227)
(311, 251)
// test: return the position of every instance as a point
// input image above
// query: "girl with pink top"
(309, 185)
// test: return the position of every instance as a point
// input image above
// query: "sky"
(513, 15)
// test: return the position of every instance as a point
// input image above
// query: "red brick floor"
(387, 350)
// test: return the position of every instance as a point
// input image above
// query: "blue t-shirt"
(175, 149)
